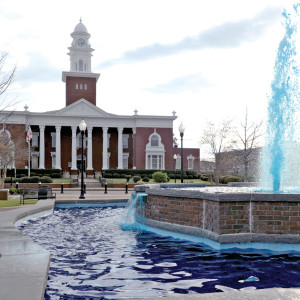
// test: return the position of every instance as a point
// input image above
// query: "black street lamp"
(175, 158)
(181, 131)
(82, 128)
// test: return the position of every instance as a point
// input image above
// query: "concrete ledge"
(23, 264)
(223, 197)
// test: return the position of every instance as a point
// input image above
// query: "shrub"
(14, 191)
(7, 180)
(190, 176)
(172, 176)
(160, 177)
(136, 178)
(127, 177)
(107, 175)
(46, 179)
(116, 175)
(229, 178)
(145, 179)
(55, 175)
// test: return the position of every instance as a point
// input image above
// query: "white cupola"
(80, 50)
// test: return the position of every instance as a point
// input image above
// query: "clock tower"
(80, 80)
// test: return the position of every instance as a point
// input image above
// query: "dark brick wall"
(73, 94)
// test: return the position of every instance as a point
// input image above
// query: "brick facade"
(75, 89)
(225, 217)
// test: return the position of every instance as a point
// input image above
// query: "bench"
(37, 193)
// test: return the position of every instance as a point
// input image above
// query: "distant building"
(207, 166)
(232, 163)
(112, 141)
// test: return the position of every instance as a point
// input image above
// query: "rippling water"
(92, 258)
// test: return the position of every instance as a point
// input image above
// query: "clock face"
(80, 42)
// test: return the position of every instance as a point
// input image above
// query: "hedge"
(110, 173)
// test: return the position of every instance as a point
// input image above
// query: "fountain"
(268, 218)
(281, 160)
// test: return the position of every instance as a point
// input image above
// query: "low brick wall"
(251, 216)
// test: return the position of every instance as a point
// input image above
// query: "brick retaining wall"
(228, 214)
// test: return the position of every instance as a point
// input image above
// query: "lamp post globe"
(82, 127)
(175, 158)
(181, 131)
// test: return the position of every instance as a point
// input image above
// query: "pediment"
(82, 108)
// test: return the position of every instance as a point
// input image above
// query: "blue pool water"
(93, 258)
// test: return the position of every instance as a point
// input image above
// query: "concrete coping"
(224, 197)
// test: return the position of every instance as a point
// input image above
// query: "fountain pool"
(93, 258)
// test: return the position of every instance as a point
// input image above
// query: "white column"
(58, 164)
(42, 147)
(134, 150)
(74, 156)
(90, 149)
(104, 152)
(120, 148)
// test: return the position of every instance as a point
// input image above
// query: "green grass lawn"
(8, 203)
(62, 180)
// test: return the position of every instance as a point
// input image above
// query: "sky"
(205, 60)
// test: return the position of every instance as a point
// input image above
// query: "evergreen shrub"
(160, 177)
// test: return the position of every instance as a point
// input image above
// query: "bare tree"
(6, 79)
(248, 135)
(219, 140)
(11, 150)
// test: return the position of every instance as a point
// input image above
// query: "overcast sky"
(207, 60)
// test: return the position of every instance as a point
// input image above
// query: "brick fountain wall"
(226, 218)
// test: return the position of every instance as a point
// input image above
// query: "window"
(35, 139)
(125, 160)
(79, 140)
(178, 162)
(154, 141)
(155, 162)
(53, 156)
(81, 86)
(53, 135)
(85, 86)
(34, 160)
(80, 65)
(190, 162)
(76, 86)
(108, 140)
(125, 140)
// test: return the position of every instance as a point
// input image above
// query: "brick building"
(111, 141)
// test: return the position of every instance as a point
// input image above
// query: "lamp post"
(181, 131)
(82, 128)
(175, 158)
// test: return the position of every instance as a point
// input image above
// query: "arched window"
(80, 65)
(154, 141)
(155, 153)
